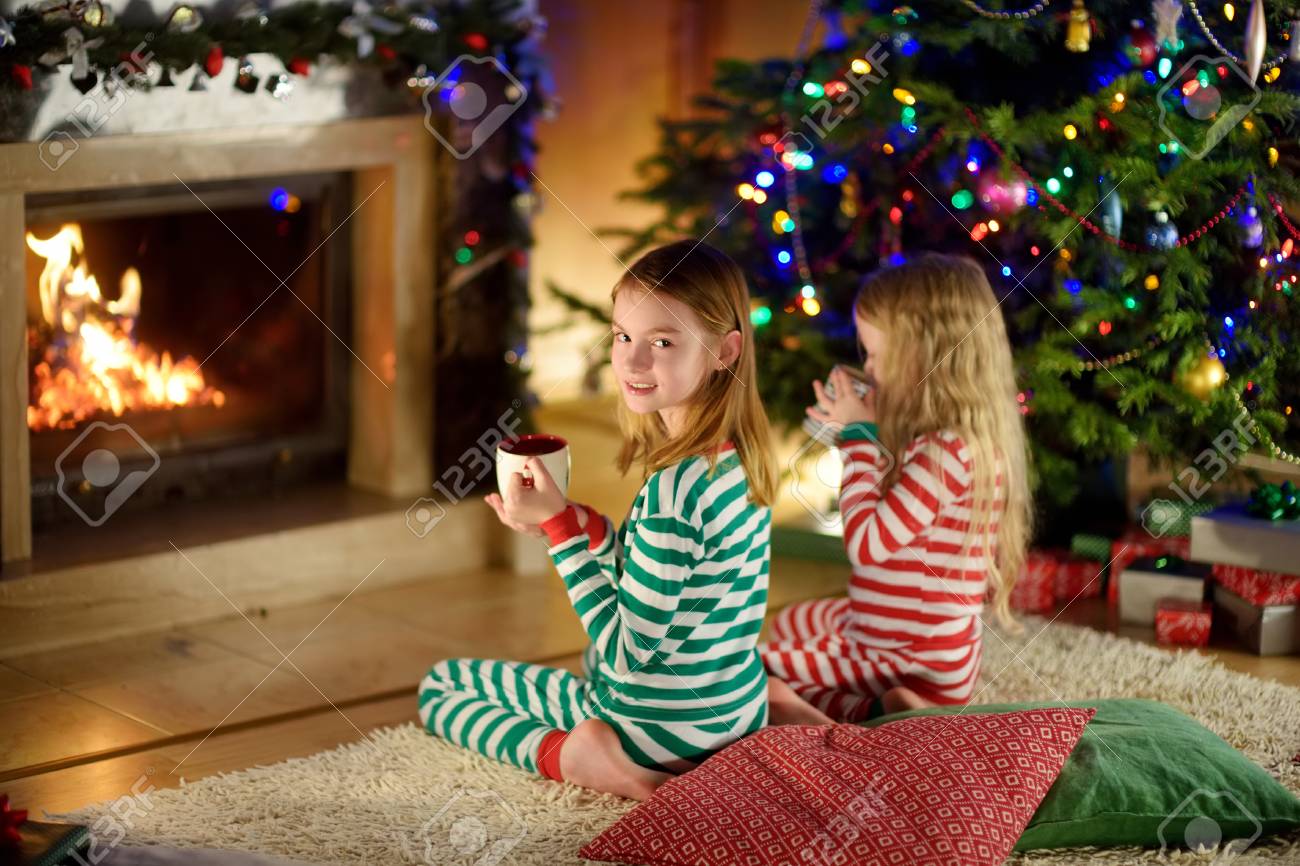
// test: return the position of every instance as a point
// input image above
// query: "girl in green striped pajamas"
(674, 601)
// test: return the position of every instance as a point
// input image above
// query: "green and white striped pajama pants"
(503, 709)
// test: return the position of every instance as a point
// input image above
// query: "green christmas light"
(1053, 185)
(962, 199)
(813, 89)
(464, 255)
(760, 316)
(1130, 303)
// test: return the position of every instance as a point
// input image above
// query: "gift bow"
(75, 46)
(1274, 502)
(359, 24)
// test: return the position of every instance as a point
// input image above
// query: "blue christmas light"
(1073, 286)
(1006, 271)
(1149, 77)
(783, 257)
(834, 173)
(764, 179)
(896, 259)
(1164, 67)
(279, 198)
(1222, 353)
(1031, 196)
(808, 291)
(1227, 320)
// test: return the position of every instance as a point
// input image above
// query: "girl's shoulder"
(688, 486)
(941, 450)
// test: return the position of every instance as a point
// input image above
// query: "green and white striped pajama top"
(673, 605)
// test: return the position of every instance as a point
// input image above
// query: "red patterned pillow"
(955, 789)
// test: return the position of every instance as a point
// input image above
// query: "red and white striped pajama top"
(912, 613)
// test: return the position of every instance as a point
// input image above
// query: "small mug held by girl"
(930, 533)
(674, 602)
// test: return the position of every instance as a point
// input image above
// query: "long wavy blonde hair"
(725, 405)
(947, 366)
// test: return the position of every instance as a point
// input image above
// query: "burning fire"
(91, 363)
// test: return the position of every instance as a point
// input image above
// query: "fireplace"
(159, 333)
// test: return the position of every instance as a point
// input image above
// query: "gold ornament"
(1208, 374)
(1078, 33)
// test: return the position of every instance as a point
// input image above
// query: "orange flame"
(91, 363)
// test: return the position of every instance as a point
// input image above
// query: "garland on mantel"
(409, 44)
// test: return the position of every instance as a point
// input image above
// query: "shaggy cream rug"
(403, 797)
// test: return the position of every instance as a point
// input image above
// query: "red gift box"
(1077, 577)
(1181, 622)
(1260, 588)
(1034, 589)
(1137, 543)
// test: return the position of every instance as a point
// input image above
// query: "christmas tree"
(1122, 169)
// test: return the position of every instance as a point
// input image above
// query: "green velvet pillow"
(1143, 774)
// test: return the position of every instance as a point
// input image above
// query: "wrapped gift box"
(1034, 589)
(1137, 543)
(1266, 630)
(1230, 536)
(1183, 623)
(1077, 577)
(1260, 588)
(1146, 581)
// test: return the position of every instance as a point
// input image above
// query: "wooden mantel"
(390, 443)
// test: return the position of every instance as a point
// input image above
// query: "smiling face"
(662, 352)
(873, 344)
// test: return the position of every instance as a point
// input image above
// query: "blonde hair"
(947, 366)
(725, 405)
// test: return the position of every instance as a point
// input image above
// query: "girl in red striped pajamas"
(934, 502)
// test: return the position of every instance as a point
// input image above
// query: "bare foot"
(901, 698)
(593, 757)
(785, 707)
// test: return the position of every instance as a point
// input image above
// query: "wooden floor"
(87, 724)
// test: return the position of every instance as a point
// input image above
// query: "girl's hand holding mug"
(844, 407)
(529, 502)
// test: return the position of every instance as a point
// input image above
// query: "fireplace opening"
(163, 345)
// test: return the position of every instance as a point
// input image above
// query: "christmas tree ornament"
(184, 19)
(245, 80)
(833, 38)
(1141, 49)
(213, 62)
(75, 48)
(300, 66)
(1078, 32)
(1252, 228)
(1112, 208)
(425, 22)
(251, 12)
(1162, 234)
(21, 73)
(1204, 377)
(279, 85)
(363, 24)
(1256, 39)
(1167, 14)
(199, 83)
(6, 34)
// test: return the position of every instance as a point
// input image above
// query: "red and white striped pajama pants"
(810, 649)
